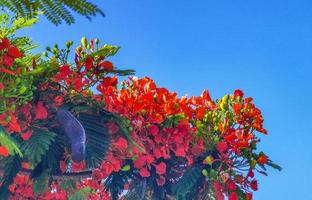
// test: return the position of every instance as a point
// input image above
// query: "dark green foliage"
(38, 145)
(11, 166)
(10, 143)
(116, 181)
(274, 166)
(40, 184)
(136, 191)
(187, 183)
(67, 185)
(56, 11)
(80, 194)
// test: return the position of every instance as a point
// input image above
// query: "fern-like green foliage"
(80, 194)
(40, 184)
(56, 11)
(9, 143)
(9, 25)
(187, 183)
(116, 181)
(38, 145)
(11, 166)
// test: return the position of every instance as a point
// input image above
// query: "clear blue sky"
(263, 47)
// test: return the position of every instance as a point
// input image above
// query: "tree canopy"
(57, 11)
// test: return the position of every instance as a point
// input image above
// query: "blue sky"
(262, 47)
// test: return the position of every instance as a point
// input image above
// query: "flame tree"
(70, 130)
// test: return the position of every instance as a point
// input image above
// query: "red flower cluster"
(220, 135)
(9, 54)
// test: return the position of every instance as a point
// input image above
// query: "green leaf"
(67, 185)
(40, 184)
(106, 51)
(187, 182)
(38, 145)
(10, 166)
(274, 166)
(12, 145)
(56, 11)
(80, 194)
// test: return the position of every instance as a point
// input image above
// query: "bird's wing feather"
(71, 126)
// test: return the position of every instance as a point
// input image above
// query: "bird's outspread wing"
(75, 132)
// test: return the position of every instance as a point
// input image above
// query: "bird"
(75, 132)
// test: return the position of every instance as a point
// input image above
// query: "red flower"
(237, 108)
(121, 144)
(238, 93)
(26, 136)
(7, 71)
(200, 112)
(25, 165)
(41, 111)
(222, 147)
(248, 196)
(1, 86)
(13, 124)
(109, 81)
(140, 162)
(160, 180)
(7, 61)
(153, 129)
(126, 186)
(233, 196)
(58, 100)
(180, 152)
(231, 185)
(5, 43)
(254, 185)
(161, 168)
(144, 172)
(107, 66)
(65, 70)
(250, 174)
(88, 63)
(97, 174)
(14, 52)
(262, 159)
(4, 151)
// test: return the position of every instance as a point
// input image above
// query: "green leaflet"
(38, 145)
(67, 185)
(80, 194)
(274, 166)
(7, 141)
(40, 184)
(187, 182)
(11, 166)
(106, 51)
(56, 11)
(15, 23)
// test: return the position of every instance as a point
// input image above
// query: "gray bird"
(75, 132)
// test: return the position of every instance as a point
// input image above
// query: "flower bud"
(253, 164)
(97, 41)
(208, 160)
(205, 172)
(22, 90)
(69, 43)
(125, 168)
(84, 41)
